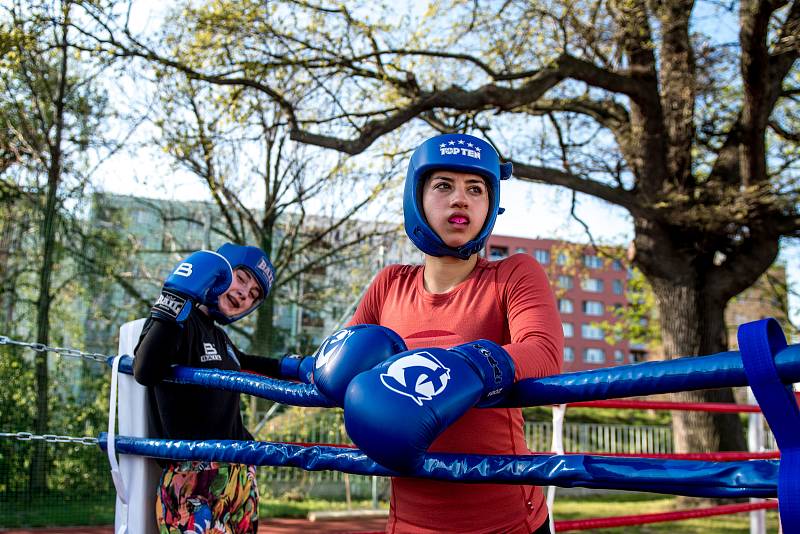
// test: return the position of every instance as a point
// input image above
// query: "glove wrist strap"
(172, 305)
(493, 364)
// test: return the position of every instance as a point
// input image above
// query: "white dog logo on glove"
(332, 346)
(419, 376)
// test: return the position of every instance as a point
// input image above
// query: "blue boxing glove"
(297, 367)
(198, 279)
(350, 351)
(395, 411)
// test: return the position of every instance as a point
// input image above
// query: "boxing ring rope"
(718, 407)
(642, 519)
(756, 507)
(773, 365)
(763, 478)
(720, 370)
(695, 479)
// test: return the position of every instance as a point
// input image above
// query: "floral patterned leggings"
(207, 498)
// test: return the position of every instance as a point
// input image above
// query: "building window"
(594, 355)
(619, 356)
(565, 281)
(569, 354)
(616, 265)
(592, 285)
(593, 307)
(561, 259)
(542, 256)
(590, 331)
(565, 306)
(498, 253)
(616, 287)
(142, 217)
(521, 250)
(590, 261)
(569, 331)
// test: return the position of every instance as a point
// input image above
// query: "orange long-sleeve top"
(509, 302)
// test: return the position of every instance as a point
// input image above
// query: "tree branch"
(550, 176)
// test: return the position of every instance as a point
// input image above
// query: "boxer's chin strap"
(759, 342)
(116, 475)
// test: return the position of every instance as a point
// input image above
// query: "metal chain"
(61, 351)
(49, 438)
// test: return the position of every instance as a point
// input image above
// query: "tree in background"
(625, 101)
(297, 202)
(290, 200)
(50, 120)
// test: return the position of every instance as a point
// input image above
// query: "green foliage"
(637, 321)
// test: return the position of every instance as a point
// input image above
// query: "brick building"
(587, 287)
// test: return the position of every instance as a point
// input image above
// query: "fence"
(596, 437)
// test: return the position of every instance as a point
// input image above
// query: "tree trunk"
(693, 325)
(38, 473)
(262, 340)
(38, 476)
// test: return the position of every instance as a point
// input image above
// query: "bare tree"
(50, 120)
(627, 102)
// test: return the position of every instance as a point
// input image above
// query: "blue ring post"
(759, 341)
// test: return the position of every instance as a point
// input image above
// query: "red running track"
(271, 526)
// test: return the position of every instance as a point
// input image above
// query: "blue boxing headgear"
(257, 263)
(455, 152)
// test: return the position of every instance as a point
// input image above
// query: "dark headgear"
(257, 263)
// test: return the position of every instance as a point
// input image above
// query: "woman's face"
(243, 294)
(456, 205)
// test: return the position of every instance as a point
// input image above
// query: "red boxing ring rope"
(678, 515)
(719, 407)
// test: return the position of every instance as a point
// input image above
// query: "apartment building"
(588, 287)
(325, 280)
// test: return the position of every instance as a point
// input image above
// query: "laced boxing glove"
(395, 411)
(351, 351)
(199, 278)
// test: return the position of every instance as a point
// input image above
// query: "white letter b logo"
(184, 269)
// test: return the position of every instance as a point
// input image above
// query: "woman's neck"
(441, 274)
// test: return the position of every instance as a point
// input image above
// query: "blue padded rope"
(754, 478)
(759, 341)
(683, 374)
(720, 370)
(282, 391)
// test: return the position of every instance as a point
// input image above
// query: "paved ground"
(274, 526)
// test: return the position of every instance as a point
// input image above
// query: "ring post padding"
(140, 474)
(759, 342)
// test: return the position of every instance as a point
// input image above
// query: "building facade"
(316, 291)
(588, 287)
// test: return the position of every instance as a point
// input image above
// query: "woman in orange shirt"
(451, 202)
